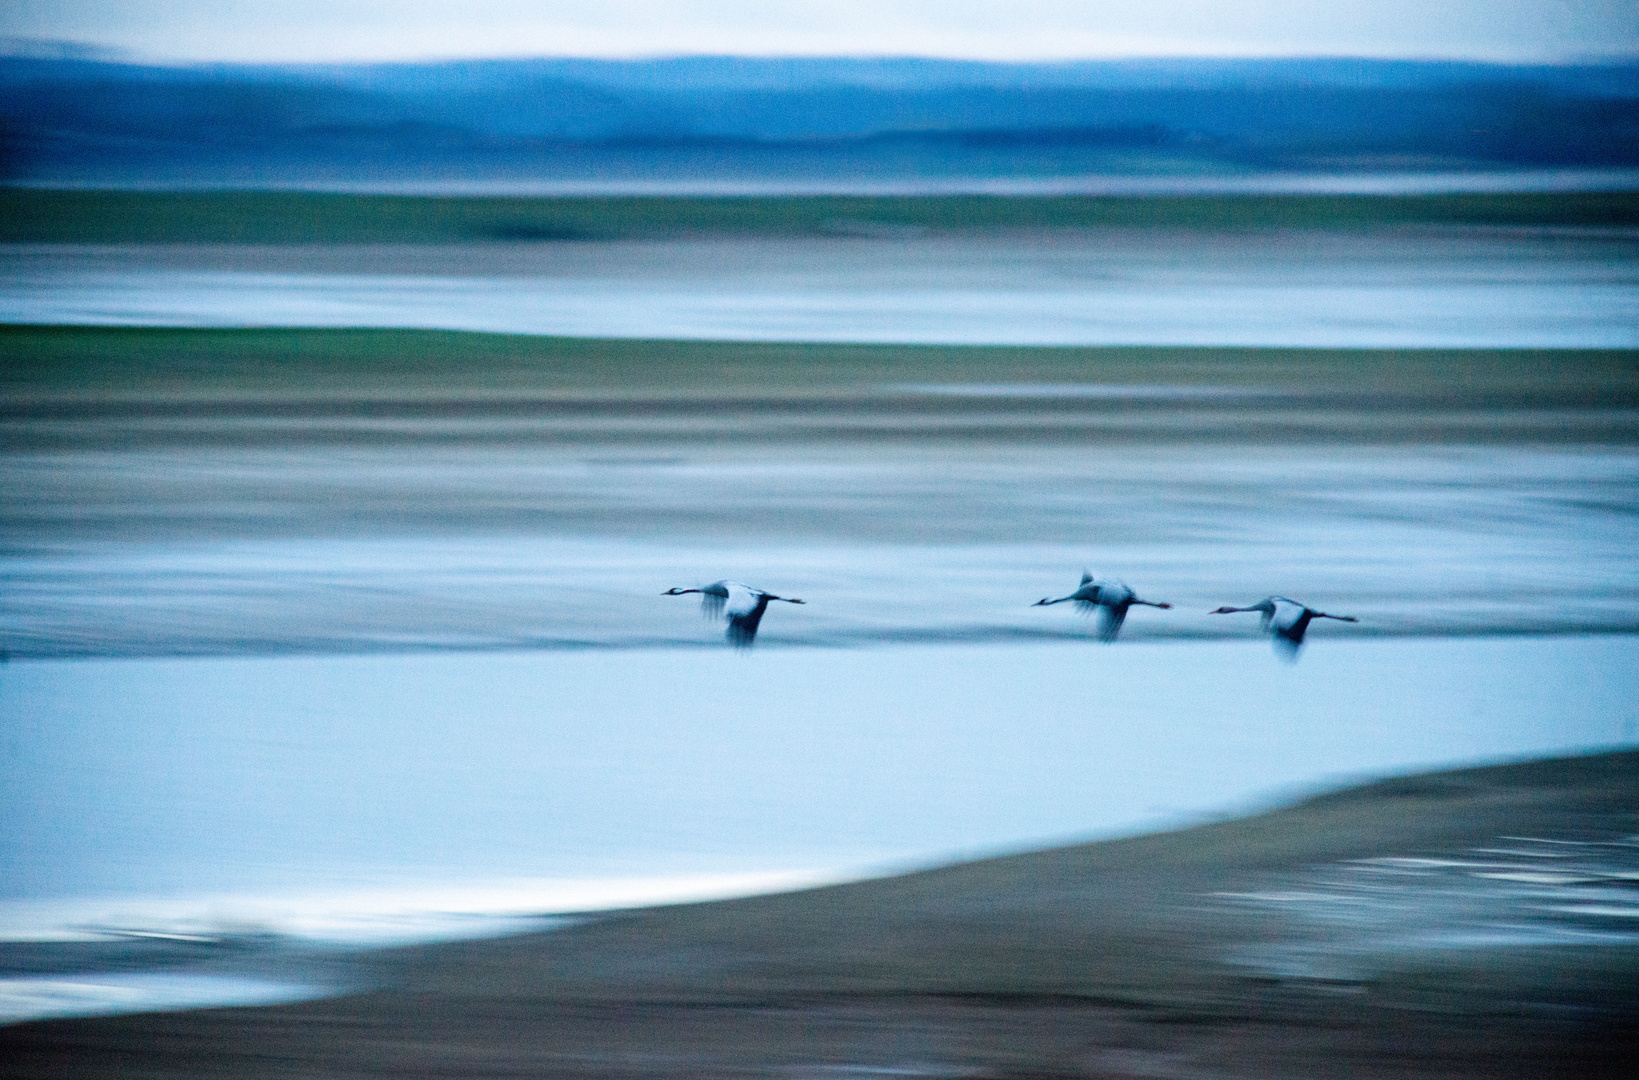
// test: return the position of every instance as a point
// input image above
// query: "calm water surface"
(1390, 288)
(315, 548)
(313, 775)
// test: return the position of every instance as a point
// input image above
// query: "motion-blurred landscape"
(737, 123)
(355, 416)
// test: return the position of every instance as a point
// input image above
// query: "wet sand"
(1115, 959)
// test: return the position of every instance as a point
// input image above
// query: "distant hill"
(86, 121)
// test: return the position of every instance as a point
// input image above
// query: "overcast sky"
(1515, 30)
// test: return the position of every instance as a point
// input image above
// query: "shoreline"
(957, 753)
(1048, 960)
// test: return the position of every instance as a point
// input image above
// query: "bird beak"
(1222, 611)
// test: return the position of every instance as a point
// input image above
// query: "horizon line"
(16, 47)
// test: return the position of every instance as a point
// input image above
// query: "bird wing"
(742, 629)
(1109, 622)
(742, 625)
(1115, 592)
(738, 599)
(712, 599)
(1287, 613)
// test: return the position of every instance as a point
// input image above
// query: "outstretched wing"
(737, 599)
(1286, 614)
(712, 599)
(742, 629)
(1089, 596)
(744, 607)
(1109, 622)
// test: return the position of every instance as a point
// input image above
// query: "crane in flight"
(741, 605)
(1286, 620)
(1110, 599)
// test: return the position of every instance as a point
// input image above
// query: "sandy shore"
(1114, 959)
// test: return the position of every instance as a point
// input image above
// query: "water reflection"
(1355, 917)
(107, 993)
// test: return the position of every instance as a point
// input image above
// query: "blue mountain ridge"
(77, 120)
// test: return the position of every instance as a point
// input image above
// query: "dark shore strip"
(1097, 960)
(31, 215)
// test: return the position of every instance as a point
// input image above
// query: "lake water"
(155, 538)
(305, 775)
(231, 822)
(598, 182)
(1380, 287)
(330, 678)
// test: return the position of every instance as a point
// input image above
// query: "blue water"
(255, 813)
(1357, 183)
(107, 993)
(200, 549)
(332, 681)
(1383, 287)
(210, 776)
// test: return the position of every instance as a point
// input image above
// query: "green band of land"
(98, 363)
(289, 217)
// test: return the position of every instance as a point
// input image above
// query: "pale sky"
(320, 30)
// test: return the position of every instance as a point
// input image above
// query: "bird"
(1110, 599)
(1286, 620)
(742, 605)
